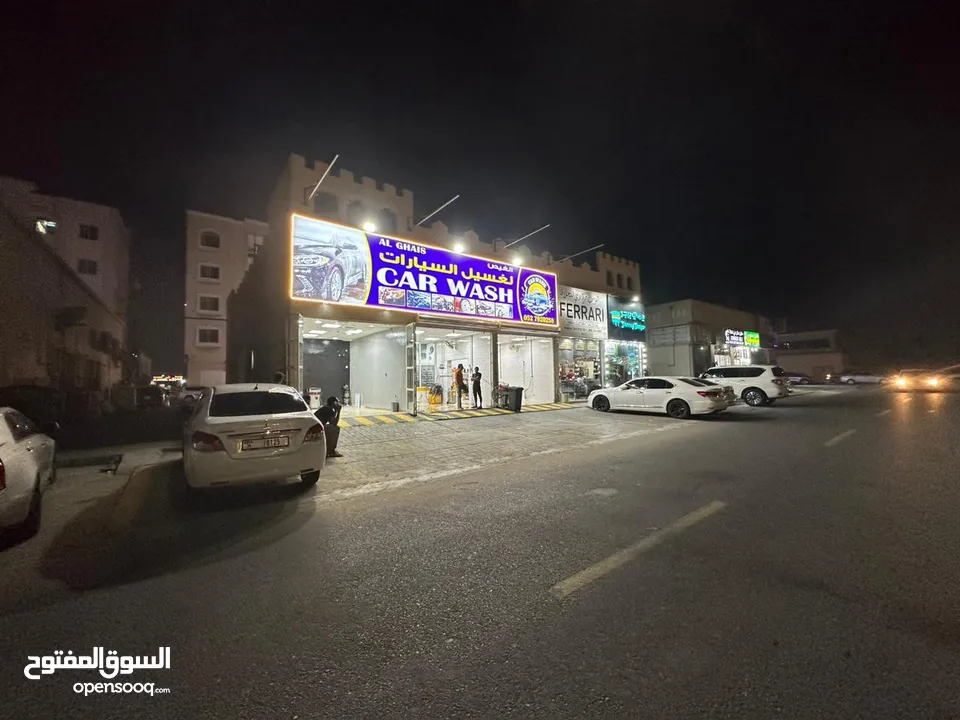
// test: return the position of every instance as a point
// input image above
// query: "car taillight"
(707, 393)
(313, 434)
(3, 476)
(205, 442)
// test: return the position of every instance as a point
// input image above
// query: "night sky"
(795, 159)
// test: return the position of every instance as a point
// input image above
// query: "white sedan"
(252, 433)
(26, 470)
(678, 397)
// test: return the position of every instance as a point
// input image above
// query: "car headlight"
(901, 382)
(933, 381)
(310, 260)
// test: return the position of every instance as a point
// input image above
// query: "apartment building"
(92, 239)
(219, 250)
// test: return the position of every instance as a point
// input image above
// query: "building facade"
(689, 336)
(816, 353)
(383, 319)
(219, 251)
(92, 239)
(55, 331)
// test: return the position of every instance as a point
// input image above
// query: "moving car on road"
(252, 433)
(798, 378)
(757, 384)
(26, 470)
(915, 380)
(860, 377)
(678, 397)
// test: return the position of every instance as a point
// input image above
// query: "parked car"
(26, 470)
(757, 384)
(252, 433)
(859, 377)
(45, 406)
(728, 390)
(916, 380)
(798, 378)
(678, 397)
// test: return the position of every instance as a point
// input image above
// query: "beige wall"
(37, 284)
(111, 250)
(206, 364)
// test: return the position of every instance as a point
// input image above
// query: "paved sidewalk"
(389, 418)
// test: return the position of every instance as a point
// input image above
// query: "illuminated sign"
(345, 266)
(627, 320)
(741, 337)
(582, 313)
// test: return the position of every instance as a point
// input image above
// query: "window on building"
(209, 240)
(629, 283)
(325, 205)
(46, 227)
(209, 272)
(387, 221)
(609, 278)
(208, 336)
(619, 280)
(86, 267)
(89, 232)
(356, 214)
(208, 303)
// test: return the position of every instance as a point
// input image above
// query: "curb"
(135, 493)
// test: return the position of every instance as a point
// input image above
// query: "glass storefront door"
(439, 352)
(624, 361)
(527, 362)
(580, 367)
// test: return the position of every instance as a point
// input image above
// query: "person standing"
(477, 392)
(329, 415)
(460, 384)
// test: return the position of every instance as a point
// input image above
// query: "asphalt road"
(798, 561)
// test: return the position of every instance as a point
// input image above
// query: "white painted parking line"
(583, 578)
(884, 412)
(839, 438)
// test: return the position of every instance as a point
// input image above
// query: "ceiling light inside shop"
(431, 339)
(332, 325)
(453, 334)
(420, 332)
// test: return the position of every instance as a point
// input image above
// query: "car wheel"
(335, 285)
(754, 397)
(678, 409)
(851, 381)
(601, 403)
(309, 479)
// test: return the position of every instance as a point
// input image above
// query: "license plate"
(265, 443)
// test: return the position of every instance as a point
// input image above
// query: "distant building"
(218, 252)
(815, 352)
(54, 329)
(92, 239)
(689, 336)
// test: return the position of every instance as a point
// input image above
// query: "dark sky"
(780, 156)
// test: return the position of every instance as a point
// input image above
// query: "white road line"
(583, 578)
(884, 412)
(839, 438)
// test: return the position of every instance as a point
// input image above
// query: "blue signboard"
(338, 264)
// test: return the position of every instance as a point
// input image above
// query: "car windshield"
(256, 402)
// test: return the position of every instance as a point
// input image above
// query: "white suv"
(756, 384)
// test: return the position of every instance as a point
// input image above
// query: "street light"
(636, 298)
(458, 246)
(369, 226)
(517, 260)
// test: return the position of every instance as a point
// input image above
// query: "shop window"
(209, 240)
(89, 232)
(619, 281)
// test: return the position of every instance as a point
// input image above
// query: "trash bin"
(514, 398)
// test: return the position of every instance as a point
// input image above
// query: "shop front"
(739, 347)
(625, 355)
(384, 323)
(583, 332)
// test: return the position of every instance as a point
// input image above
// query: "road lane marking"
(884, 412)
(839, 438)
(583, 578)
